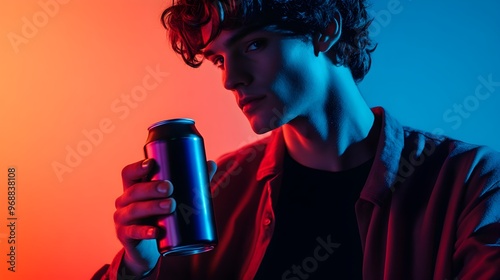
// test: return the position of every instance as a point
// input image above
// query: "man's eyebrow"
(240, 34)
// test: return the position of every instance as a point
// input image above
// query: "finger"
(145, 191)
(136, 172)
(135, 212)
(137, 232)
(212, 167)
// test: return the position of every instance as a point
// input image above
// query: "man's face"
(274, 77)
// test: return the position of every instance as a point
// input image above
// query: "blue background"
(430, 56)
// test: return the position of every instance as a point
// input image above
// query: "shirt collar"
(272, 162)
(383, 173)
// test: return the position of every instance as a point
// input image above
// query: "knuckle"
(119, 234)
(116, 217)
(118, 202)
(131, 171)
(125, 171)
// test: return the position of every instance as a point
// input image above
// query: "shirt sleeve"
(477, 254)
(114, 271)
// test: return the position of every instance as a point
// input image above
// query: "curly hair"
(185, 18)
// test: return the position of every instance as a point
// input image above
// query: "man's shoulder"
(453, 154)
(416, 138)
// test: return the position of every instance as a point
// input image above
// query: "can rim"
(178, 120)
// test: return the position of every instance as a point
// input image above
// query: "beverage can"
(179, 152)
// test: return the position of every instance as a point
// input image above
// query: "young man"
(339, 190)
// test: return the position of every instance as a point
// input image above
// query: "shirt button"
(267, 221)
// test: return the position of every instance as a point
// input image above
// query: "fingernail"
(150, 232)
(165, 204)
(162, 187)
(145, 163)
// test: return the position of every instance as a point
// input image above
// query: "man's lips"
(248, 100)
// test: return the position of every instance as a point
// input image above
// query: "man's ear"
(325, 40)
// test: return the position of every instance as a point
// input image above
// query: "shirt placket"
(265, 226)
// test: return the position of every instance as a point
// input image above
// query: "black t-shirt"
(316, 233)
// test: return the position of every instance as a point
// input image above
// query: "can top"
(172, 121)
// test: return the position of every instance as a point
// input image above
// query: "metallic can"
(179, 152)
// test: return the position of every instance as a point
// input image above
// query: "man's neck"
(339, 137)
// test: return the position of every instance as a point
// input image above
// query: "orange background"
(65, 80)
(72, 70)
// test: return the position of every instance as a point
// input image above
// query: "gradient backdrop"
(82, 80)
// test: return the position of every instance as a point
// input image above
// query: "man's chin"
(261, 127)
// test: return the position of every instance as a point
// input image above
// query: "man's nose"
(236, 74)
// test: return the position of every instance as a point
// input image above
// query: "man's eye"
(218, 61)
(256, 45)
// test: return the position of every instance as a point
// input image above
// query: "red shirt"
(430, 209)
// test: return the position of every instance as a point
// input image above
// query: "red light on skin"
(252, 106)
